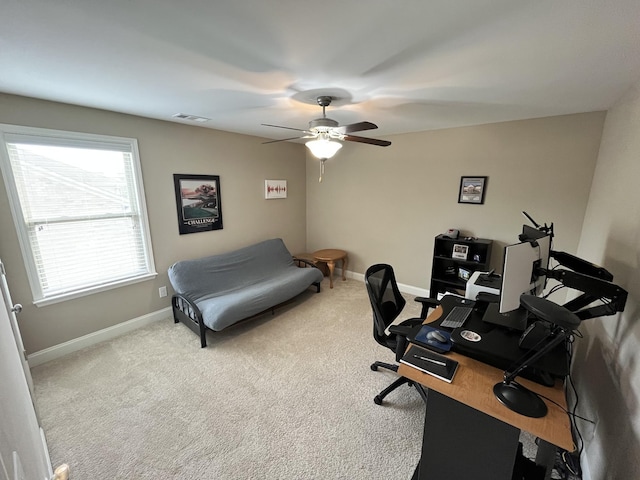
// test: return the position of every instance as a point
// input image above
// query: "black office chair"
(387, 303)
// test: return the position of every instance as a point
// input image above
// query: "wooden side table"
(330, 256)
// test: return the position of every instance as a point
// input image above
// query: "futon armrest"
(182, 303)
(305, 261)
(427, 303)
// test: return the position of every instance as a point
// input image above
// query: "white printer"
(483, 282)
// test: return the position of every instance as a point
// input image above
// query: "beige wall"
(380, 204)
(387, 204)
(607, 364)
(243, 164)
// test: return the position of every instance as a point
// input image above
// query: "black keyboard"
(456, 317)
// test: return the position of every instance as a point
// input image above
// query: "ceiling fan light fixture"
(322, 147)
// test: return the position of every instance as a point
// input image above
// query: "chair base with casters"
(401, 333)
(397, 383)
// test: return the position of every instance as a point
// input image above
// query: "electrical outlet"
(162, 291)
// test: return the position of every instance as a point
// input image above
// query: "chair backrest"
(385, 297)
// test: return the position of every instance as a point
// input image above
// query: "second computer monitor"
(523, 271)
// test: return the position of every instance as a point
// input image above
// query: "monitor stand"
(515, 320)
(520, 399)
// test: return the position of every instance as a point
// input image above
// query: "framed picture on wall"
(472, 190)
(199, 203)
(275, 189)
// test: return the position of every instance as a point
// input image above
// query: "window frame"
(72, 139)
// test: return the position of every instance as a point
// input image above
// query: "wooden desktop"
(468, 433)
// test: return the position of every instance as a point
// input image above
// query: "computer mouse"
(437, 336)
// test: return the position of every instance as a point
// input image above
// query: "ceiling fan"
(324, 131)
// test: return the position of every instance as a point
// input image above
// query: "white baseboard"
(57, 351)
(411, 290)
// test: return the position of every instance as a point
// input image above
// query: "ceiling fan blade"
(355, 127)
(288, 128)
(370, 141)
(283, 140)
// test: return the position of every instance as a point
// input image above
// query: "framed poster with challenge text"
(199, 203)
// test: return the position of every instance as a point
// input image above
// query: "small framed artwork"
(460, 251)
(472, 190)
(275, 189)
(199, 203)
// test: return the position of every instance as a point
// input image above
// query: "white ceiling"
(406, 65)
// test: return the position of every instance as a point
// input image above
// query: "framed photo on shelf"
(199, 203)
(464, 274)
(472, 190)
(460, 251)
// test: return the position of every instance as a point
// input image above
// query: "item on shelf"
(450, 270)
(445, 273)
(464, 274)
(460, 251)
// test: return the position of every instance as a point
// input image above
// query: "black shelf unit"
(445, 270)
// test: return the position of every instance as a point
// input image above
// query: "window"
(78, 205)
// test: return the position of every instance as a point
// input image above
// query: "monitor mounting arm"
(514, 395)
(546, 228)
(593, 281)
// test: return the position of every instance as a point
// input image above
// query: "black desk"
(469, 434)
(498, 346)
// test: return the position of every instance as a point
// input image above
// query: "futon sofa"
(217, 291)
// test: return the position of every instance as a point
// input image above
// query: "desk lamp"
(510, 393)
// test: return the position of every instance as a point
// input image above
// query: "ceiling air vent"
(191, 118)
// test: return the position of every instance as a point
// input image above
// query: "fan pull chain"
(322, 160)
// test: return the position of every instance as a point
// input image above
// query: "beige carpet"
(280, 397)
(288, 396)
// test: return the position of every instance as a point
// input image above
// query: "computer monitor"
(522, 273)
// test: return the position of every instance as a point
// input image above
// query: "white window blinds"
(79, 209)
